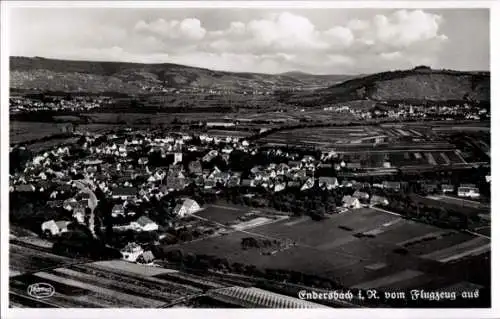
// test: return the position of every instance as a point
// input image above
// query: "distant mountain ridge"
(134, 78)
(418, 84)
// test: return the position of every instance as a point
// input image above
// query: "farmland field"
(473, 246)
(22, 132)
(428, 246)
(332, 249)
(459, 206)
(460, 201)
(95, 286)
(440, 160)
(152, 118)
(128, 268)
(399, 158)
(407, 231)
(44, 145)
(223, 133)
(24, 259)
(454, 158)
(222, 213)
(26, 131)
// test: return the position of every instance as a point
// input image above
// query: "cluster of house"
(120, 166)
(158, 86)
(362, 199)
(132, 252)
(403, 111)
(135, 253)
(464, 190)
(23, 104)
(468, 190)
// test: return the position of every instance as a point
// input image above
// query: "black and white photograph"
(231, 157)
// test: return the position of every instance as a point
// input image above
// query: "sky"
(318, 41)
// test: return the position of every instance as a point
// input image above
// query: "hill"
(133, 78)
(420, 84)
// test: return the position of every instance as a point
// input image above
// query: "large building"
(471, 192)
(186, 207)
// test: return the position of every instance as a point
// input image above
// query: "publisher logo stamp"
(41, 290)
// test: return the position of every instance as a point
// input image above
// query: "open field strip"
(298, 221)
(126, 298)
(394, 150)
(388, 280)
(405, 133)
(127, 287)
(463, 200)
(390, 133)
(420, 281)
(434, 197)
(382, 228)
(373, 232)
(337, 243)
(27, 250)
(445, 158)
(458, 153)
(117, 274)
(60, 298)
(462, 286)
(226, 207)
(75, 301)
(370, 221)
(393, 222)
(252, 223)
(36, 241)
(149, 280)
(166, 292)
(193, 280)
(31, 302)
(128, 267)
(415, 132)
(99, 299)
(65, 301)
(453, 250)
(376, 266)
(436, 235)
(25, 259)
(430, 159)
(472, 252)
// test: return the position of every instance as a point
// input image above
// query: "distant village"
(400, 111)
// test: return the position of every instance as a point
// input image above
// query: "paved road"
(92, 203)
(386, 211)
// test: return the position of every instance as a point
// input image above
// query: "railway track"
(29, 302)
(65, 261)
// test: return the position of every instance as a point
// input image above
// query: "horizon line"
(242, 72)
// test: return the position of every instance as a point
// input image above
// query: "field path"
(226, 207)
(478, 234)
(386, 211)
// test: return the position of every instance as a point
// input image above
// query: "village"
(154, 182)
